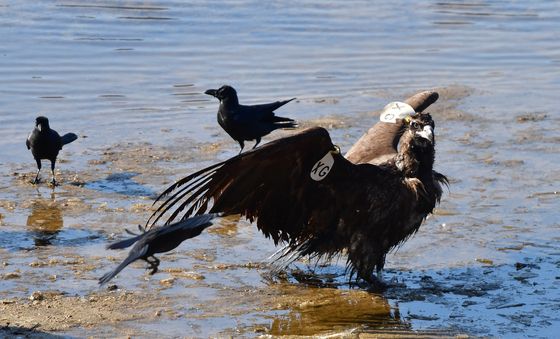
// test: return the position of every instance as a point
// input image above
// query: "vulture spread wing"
(275, 186)
(272, 184)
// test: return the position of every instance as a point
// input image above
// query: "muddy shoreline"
(445, 282)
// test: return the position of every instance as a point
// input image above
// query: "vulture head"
(417, 145)
(421, 130)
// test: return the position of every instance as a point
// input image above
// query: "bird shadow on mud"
(121, 183)
(9, 331)
(29, 240)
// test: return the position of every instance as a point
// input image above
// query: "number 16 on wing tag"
(322, 167)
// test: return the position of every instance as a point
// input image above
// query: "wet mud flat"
(485, 264)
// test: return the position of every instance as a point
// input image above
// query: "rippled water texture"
(128, 78)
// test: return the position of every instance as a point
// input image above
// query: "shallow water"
(129, 77)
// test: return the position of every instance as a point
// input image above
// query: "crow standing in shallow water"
(301, 191)
(157, 240)
(45, 143)
(244, 122)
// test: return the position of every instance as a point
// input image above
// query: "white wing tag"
(396, 110)
(322, 167)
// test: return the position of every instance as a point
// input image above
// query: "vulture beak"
(40, 127)
(427, 133)
(211, 92)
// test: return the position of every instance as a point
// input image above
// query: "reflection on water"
(228, 226)
(45, 220)
(324, 309)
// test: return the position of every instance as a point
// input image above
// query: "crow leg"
(53, 181)
(242, 144)
(258, 140)
(153, 264)
(36, 180)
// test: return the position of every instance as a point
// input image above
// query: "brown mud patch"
(448, 105)
(446, 108)
(328, 122)
(53, 311)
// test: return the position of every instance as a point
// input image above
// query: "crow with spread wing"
(157, 240)
(302, 192)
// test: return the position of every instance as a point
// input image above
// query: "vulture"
(302, 192)
(45, 143)
(244, 122)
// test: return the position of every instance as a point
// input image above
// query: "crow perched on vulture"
(302, 192)
(45, 143)
(157, 240)
(243, 122)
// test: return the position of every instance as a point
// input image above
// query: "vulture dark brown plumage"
(363, 205)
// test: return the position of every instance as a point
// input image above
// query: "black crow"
(157, 240)
(301, 191)
(243, 122)
(45, 143)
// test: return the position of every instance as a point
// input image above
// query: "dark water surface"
(129, 77)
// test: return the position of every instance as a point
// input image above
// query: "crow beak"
(427, 133)
(211, 92)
